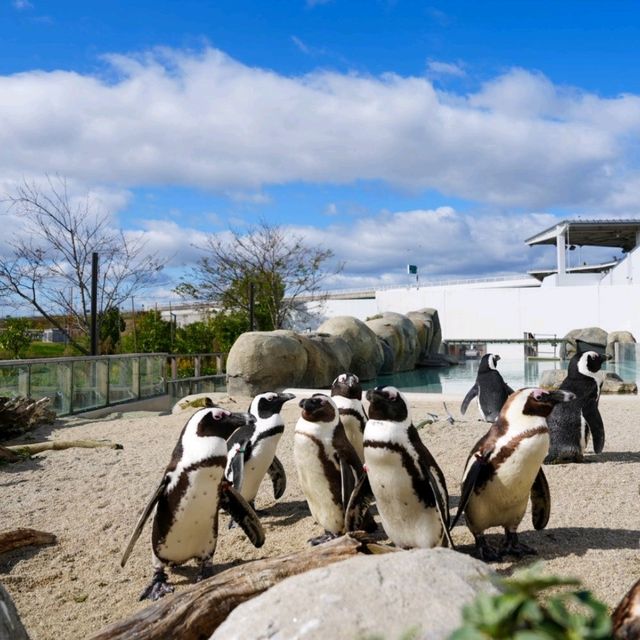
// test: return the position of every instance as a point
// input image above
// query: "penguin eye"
(538, 394)
(218, 415)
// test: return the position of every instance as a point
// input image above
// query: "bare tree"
(49, 266)
(284, 270)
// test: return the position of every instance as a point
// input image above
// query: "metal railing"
(85, 383)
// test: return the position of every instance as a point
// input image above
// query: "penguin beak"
(285, 397)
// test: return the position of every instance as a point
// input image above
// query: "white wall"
(508, 313)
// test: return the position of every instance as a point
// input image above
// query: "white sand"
(91, 498)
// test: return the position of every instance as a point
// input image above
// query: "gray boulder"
(615, 337)
(327, 357)
(262, 361)
(431, 321)
(399, 332)
(590, 338)
(420, 591)
(367, 354)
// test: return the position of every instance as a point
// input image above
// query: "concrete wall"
(508, 313)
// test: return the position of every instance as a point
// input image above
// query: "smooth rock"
(389, 595)
(615, 337)
(589, 337)
(367, 354)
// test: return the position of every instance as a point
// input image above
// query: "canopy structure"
(622, 234)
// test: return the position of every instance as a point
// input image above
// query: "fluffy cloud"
(205, 120)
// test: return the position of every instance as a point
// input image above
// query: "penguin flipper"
(278, 477)
(346, 476)
(143, 519)
(240, 510)
(235, 465)
(358, 505)
(596, 427)
(425, 461)
(471, 394)
(469, 485)
(540, 501)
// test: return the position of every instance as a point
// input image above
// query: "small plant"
(524, 612)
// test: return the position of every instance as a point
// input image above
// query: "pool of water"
(458, 379)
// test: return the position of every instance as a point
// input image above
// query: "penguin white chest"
(503, 500)
(319, 477)
(193, 533)
(256, 468)
(406, 519)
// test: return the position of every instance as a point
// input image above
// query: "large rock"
(399, 332)
(420, 591)
(621, 337)
(367, 354)
(589, 338)
(327, 357)
(262, 361)
(430, 320)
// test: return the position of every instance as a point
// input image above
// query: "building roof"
(541, 274)
(591, 233)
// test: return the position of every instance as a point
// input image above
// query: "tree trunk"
(10, 540)
(196, 612)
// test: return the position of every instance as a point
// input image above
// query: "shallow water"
(458, 379)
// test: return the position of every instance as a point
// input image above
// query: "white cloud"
(22, 5)
(437, 68)
(205, 120)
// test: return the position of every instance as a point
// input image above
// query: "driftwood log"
(58, 445)
(16, 538)
(21, 414)
(196, 612)
(6, 455)
(10, 623)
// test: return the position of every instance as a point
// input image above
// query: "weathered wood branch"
(21, 414)
(16, 538)
(58, 445)
(6, 455)
(197, 611)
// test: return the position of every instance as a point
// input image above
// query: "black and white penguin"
(186, 502)
(327, 464)
(571, 423)
(346, 392)
(252, 449)
(626, 617)
(407, 483)
(504, 469)
(490, 389)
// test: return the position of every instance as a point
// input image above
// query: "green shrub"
(525, 611)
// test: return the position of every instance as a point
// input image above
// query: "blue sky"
(393, 132)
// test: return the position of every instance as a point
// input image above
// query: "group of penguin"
(346, 458)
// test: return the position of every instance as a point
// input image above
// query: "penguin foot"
(314, 542)
(512, 547)
(158, 587)
(485, 552)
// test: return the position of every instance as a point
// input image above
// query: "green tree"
(217, 333)
(152, 334)
(112, 325)
(15, 337)
(284, 270)
(49, 262)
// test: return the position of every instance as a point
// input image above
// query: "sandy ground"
(91, 498)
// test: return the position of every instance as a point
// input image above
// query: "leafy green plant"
(525, 611)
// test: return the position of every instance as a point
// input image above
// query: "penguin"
(407, 483)
(571, 423)
(327, 465)
(346, 392)
(504, 468)
(186, 501)
(490, 389)
(252, 449)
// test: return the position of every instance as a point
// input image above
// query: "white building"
(550, 302)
